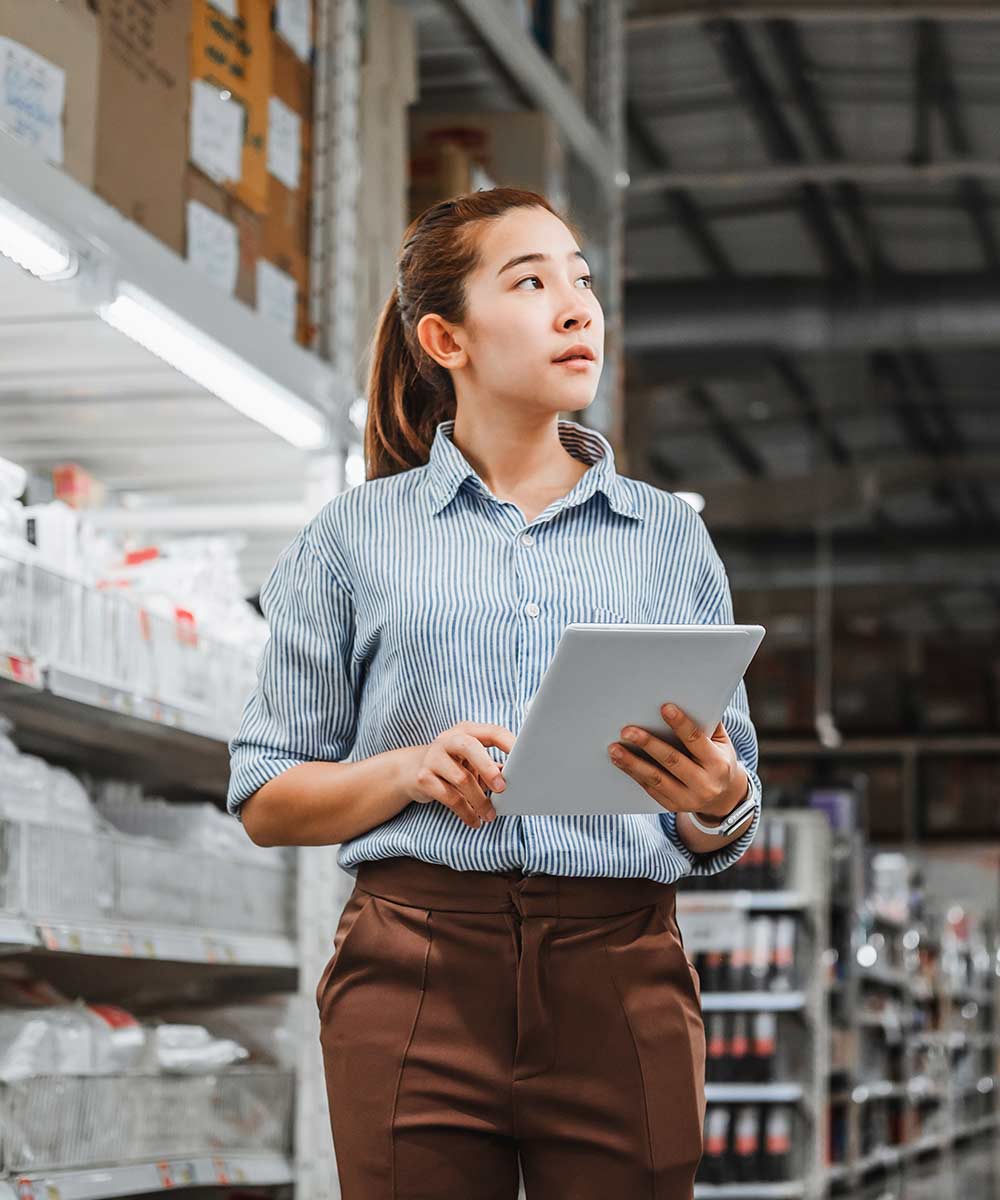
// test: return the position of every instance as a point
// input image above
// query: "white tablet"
(602, 678)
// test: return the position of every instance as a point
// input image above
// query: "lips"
(576, 352)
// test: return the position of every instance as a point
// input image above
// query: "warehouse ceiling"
(813, 292)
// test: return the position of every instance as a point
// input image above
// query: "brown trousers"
(468, 1018)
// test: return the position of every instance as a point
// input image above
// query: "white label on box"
(216, 133)
(705, 929)
(284, 142)
(32, 97)
(230, 7)
(294, 24)
(213, 245)
(276, 296)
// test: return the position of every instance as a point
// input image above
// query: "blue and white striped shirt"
(418, 600)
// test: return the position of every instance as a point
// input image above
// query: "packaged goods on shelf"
(765, 866)
(141, 1117)
(388, 86)
(519, 149)
(224, 238)
(190, 1050)
(142, 128)
(269, 1027)
(749, 1144)
(285, 238)
(49, 55)
(75, 486)
(230, 83)
(127, 858)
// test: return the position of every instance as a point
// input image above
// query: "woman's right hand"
(455, 768)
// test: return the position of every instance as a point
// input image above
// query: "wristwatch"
(730, 820)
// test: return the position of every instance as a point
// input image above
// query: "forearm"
(325, 803)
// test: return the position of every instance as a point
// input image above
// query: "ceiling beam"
(810, 315)
(779, 138)
(793, 174)
(835, 492)
(647, 15)
(944, 90)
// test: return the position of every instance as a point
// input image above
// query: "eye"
(589, 279)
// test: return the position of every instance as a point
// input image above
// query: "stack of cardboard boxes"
(192, 117)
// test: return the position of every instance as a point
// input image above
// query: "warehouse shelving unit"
(707, 919)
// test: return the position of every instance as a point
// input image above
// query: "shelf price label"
(49, 941)
(25, 1189)
(165, 1172)
(221, 1173)
(712, 928)
(21, 670)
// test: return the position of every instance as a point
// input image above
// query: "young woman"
(501, 988)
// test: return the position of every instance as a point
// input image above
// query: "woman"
(501, 987)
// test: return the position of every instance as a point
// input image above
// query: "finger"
(691, 735)
(463, 779)
(678, 764)
(664, 790)
(489, 735)
(437, 789)
(472, 750)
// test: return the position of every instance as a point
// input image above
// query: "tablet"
(602, 678)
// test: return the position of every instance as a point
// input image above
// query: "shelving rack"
(702, 914)
(110, 729)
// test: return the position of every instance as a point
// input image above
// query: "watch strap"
(730, 820)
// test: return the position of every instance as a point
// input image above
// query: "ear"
(438, 340)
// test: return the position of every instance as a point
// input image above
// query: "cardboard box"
(286, 224)
(142, 113)
(287, 303)
(61, 120)
(389, 84)
(569, 44)
(231, 68)
(239, 278)
(514, 149)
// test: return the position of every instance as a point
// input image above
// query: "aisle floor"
(970, 1172)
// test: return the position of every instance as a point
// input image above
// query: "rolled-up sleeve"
(713, 605)
(304, 705)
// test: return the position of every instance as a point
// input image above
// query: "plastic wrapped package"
(24, 788)
(71, 873)
(270, 1027)
(190, 1050)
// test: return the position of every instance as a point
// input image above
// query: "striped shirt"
(415, 601)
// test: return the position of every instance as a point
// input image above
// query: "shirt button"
(532, 609)
(527, 539)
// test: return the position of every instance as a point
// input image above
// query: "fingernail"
(670, 710)
(498, 784)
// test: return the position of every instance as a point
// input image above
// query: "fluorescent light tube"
(218, 369)
(33, 246)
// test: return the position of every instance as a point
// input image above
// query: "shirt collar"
(448, 469)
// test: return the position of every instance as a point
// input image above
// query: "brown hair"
(408, 392)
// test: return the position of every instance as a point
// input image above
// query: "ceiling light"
(695, 499)
(34, 246)
(214, 366)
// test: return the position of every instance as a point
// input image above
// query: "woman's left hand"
(710, 783)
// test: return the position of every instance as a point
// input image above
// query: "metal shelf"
(753, 1001)
(108, 731)
(779, 747)
(535, 77)
(758, 901)
(792, 1190)
(229, 1170)
(754, 1093)
(138, 941)
(113, 248)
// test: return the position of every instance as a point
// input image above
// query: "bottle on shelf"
(746, 1145)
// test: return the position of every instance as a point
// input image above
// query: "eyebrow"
(523, 258)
